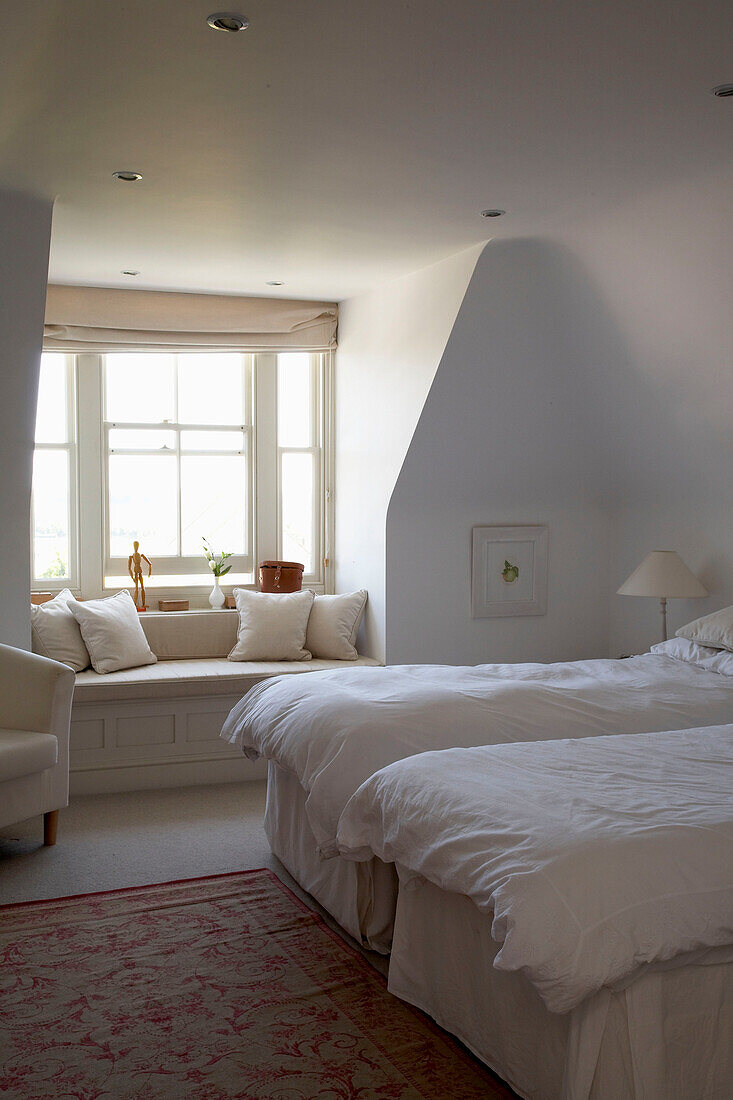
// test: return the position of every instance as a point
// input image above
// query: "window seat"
(158, 726)
(178, 679)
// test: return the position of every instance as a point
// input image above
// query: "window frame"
(70, 446)
(181, 564)
(315, 449)
(90, 530)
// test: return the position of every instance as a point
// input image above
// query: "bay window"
(173, 448)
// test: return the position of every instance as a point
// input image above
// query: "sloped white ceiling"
(336, 144)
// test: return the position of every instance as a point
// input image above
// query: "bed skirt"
(665, 1037)
(362, 897)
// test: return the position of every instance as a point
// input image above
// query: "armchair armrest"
(35, 693)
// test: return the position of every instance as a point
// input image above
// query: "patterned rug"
(210, 988)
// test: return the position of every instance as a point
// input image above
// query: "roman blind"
(82, 318)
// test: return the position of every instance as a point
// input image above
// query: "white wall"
(390, 344)
(587, 384)
(513, 432)
(25, 228)
(662, 263)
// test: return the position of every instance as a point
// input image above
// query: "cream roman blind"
(82, 318)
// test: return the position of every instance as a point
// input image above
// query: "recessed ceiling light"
(227, 21)
(275, 282)
(723, 91)
(492, 213)
(129, 272)
(128, 177)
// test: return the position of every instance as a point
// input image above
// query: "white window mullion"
(179, 533)
(250, 458)
(72, 420)
(327, 467)
(92, 475)
(267, 487)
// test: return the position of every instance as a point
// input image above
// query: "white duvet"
(595, 856)
(334, 729)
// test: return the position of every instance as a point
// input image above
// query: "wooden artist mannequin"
(134, 568)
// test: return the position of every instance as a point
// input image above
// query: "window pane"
(294, 416)
(214, 503)
(51, 514)
(212, 441)
(143, 496)
(51, 424)
(140, 439)
(211, 389)
(297, 509)
(139, 388)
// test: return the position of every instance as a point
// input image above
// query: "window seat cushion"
(176, 679)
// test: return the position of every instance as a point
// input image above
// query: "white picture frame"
(508, 571)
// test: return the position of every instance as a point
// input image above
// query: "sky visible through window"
(147, 490)
(51, 471)
(297, 473)
(178, 454)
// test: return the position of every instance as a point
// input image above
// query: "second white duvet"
(592, 857)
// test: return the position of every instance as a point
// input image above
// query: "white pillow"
(55, 632)
(333, 625)
(714, 630)
(272, 626)
(705, 657)
(112, 633)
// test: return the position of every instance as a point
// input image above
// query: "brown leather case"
(281, 576)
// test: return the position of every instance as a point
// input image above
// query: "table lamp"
(663, 574)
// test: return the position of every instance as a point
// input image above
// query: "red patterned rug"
(211, 988)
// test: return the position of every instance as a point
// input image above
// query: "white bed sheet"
(664, 1037)
(333, 730)
(593, 856)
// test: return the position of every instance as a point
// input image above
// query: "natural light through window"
(53, 473)
(298, 455)
(178, 454)
(167, 449)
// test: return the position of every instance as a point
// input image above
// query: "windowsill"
(197, 595)
(179, 581)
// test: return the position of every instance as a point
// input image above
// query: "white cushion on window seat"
(112, 633)
(169, 679)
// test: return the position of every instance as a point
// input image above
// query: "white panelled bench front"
(158, 726)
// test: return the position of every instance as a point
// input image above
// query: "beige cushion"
(55, 632)
(23, 753)
(272, 626)
(112, 633)
(714, 630)
(184, 679)
(333, 625)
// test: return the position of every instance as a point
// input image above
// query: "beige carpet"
(108, 841)
(112, 840)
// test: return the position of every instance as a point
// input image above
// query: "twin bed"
(472, 821)
(588, 916)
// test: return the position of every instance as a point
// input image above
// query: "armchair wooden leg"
(50, 826)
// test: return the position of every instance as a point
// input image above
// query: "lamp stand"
(663, 613)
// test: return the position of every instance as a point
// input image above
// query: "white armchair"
(35, 712)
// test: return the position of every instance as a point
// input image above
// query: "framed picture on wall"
(509, 571)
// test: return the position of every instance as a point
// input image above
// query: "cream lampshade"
(663, 574)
